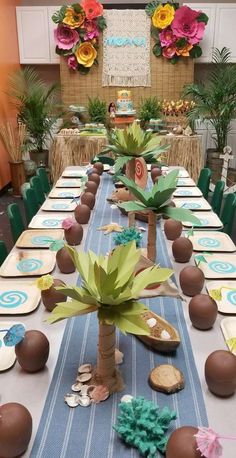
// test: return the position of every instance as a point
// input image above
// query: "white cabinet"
(54, 58)
(225, 27)
(208, 41)
(33, 36)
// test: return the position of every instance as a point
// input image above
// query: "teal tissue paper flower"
(127, 235)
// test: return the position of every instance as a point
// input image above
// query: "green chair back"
(36, 185)
(104, 160)
(16, 221)
(204, 181)
(217, 197)
(3, 252)
(30, 203)
(228, 213)
(42, 174)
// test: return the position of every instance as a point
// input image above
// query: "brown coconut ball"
(182, 249)
(182, 443)
(50, 297)
(99, 167)
(191, 280)
(74, 234)
(172, 229)
(91, 186)
(82, 214)
(88, 198)
(64, 261)
(94, 177)
(15, 429)
(220, 373)
(203, 311)
(32, 352)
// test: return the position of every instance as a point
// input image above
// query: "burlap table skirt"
(185, 152)
(72, 150)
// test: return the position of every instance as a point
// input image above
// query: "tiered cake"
(124, 104)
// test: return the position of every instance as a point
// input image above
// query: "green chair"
(16, 221)
(36, 185)
(104, 159)
(204, 181)
(30, 203)
(217, 197)
(42, 174)
(228, 213)
(3, 252)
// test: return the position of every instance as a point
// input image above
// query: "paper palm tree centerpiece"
(110, 288)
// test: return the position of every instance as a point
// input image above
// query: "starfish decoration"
(112, 227)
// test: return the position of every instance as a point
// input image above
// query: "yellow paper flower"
(73, 19)
(86, 54)
(44, 282)
(163, 16)
(184, 52)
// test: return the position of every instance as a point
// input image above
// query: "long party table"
(87, 432)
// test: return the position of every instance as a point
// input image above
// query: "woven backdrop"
(167, 81)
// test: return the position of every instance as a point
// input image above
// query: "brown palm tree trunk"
(131, 175)
(106, 372)
(152, 236)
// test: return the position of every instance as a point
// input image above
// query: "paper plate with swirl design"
(60, 205)
(18, 298)
(47, 221)
(187, 191)
(226, 301)
(68, 183)
(212, 241)
(208, 221)
(218, 266)
(7, 354)
(64, 193)
(39, 238)
(186, 182)
(196, 204)
(28, 263)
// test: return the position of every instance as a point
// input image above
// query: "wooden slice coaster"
(166, 378)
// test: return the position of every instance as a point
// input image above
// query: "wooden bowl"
(154, 340)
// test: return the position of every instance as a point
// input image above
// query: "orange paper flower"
(92, 8)
(86, 54)
(184, 52)
(73, 19)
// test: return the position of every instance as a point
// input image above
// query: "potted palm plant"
(37, 108)
(97, 110)
(13, 138)
(215, 102)
(111, 289)
(150, 108)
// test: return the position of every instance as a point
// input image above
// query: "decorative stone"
(32, 352)
(220, 373)
(202, 311)
(15, 429)
(166, 378)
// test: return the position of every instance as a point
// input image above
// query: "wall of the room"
(9, 61)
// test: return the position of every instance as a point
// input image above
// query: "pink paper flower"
(65, 37)
(91, 30)
(72, 62)
(185, 25)
(208, 443)
(67, 223)
(167, 37)
(169, 52)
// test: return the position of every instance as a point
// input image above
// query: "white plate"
(60, 205)
(187, 191)
(18, 298)
(209, 220)
(196, 204)
(228, 327)
(186, 182)
(28, 263)
(46, 222)
(68, 183)
(227, 304)
(66, 193)
(212, 241)
(218, 266)
(7, 354)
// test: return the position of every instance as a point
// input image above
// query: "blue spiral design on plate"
(66, 194)
(191, 205)
(231, 297)
(69, 184)
(208, 242)
(51, 222)
(221, 267)
(183, 193)
(29, 265)
(60, 206)
(12, 299)
(41, 240)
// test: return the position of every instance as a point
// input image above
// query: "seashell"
(72, 400)
(113, 206)
(99, 393)
(77, 386)
(85, 368)
(178, 130)
(84, 401)
(188, 131)
(151, 322)
(127, 398)
(84, 377)
(165, 335)
(84, 390)
(118, 356)
(142, 229)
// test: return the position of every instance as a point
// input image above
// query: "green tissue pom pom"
(127, 235)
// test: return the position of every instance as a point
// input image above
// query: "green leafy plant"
(215, 101)
(156, 202)
(150, 108)
(97, 110)
(110, 288)
(36, 105)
